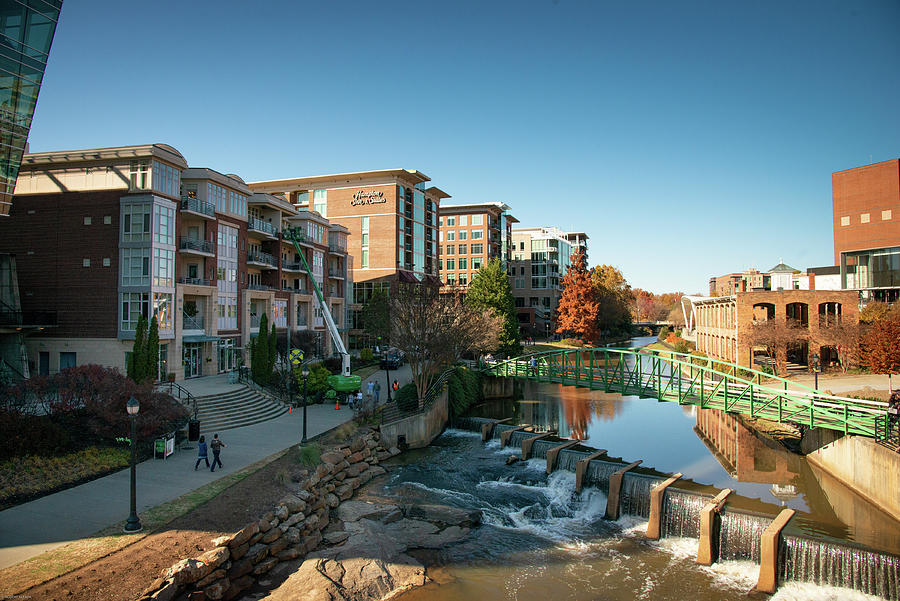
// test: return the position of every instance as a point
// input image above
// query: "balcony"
(198, 207)
(194, 281)
(337, 248)
(193, 323)
(336, 273)
(260, 226)
(260, 287)
(261, 259)
(294, 266)
(195, 246)
(295, 290)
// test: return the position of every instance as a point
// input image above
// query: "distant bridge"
(679, 378)
(654, 326)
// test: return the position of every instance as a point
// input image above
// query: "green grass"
(35, 474)
(365, 372)
(309, 455)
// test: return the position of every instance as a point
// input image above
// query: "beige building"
(471, 235)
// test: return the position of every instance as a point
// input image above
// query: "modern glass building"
(26, 32)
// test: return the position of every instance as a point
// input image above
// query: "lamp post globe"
(305, 373)
(133, 524)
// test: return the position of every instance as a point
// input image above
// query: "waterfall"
(540, 447)
(568, 459)
(472, 424)
(598, 473)
(840, 564)
(681, 513)
(635, 496)
(518, 436)
(740, 534)
(500, 428)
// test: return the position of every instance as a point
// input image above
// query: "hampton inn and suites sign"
(367, 198)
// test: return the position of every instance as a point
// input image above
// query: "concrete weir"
(615, 487)
(529, 442)
(656, 503)
(581, 468)
(768, 549)
(506, 434)
(709, 529)
(553, 453)
(487, 430)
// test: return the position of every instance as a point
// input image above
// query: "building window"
(462, 234)
(477, 219)
(450, 249)
(87, 220)
(136, 223)
(451, 236)
(462, 249)
(477, 249)
(462, 263)
(85, 262)
(107, 220)
(451, 221)
(106, 262)
(886, 215)
(441, 221)
(166, 179)
(320, 202)
(477, 234)
(365, 258)
(163, 268)
(164, 218)
(138, 174)
(135, 266)
(162, 309)
(451, 263)
(462, 279)
(864, 218)
(134, 305)
(463, 220)
(845, 220)
(476, 263)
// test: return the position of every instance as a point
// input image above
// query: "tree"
(259, 356)
(376, 317)
(151, 357)
(844, 338)
(433, 329)
(876, 311)
(273, 351)
(880, 348)
(578, 308)
(490, 290)
(777, 336)
(613, 297)
(137, 365)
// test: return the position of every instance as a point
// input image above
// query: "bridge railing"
(677, 377)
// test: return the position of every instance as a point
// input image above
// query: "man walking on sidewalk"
(216, 446)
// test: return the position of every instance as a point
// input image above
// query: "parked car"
(391, 361)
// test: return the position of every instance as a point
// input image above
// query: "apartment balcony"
(408, 213)
(260, 287)
(296, 290)
(337, 248)
(193, 324)
(261, 259)
(294, 266)
(195, 281)
(337, 274)
(259, 226)
(494, 225)
(194, 246)
(198, 207)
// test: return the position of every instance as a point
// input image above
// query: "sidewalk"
(840, 383)
(49, 522)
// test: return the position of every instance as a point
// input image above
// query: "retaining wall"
(418, 430)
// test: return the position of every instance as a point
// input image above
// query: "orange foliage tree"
(880, 347)
(578, 305)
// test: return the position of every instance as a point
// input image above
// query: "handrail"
(183, 394)
(392, 411)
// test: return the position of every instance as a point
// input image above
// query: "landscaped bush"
(464, 390)
(663, 334)
(576, 342)
(407, 398)
(366, 355)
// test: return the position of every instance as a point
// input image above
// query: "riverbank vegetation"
(594, 306)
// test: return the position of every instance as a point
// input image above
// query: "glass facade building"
(26, 32)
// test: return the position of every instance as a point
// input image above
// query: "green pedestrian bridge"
(691, 380)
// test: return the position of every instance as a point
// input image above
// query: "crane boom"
(295, 235)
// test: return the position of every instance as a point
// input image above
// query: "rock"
(282, 513)
(336, 537)
(212, 577)
(377, 470)
(278, 546)
(297, 517)
(383, 456)
(355, 469)
(271, 536)
(288, 554)
(311, 542)
(394, 451)
(166, 593)
(222, 541)
(292, 536)
(443, 514)
(265, 565)
(155, 585)
(340, 476)
(239, 552)
(257, 553)
(187, 571)
(353, 483)
(353, 510)
(215, 557)
(304, 496)
(217, 589)
(344, 492)
(358, 444)
(255, 538)
(244, 535)
(323, 469)
(332, 501)
(196, 596)
(293, 503)
(356, 457)
(371, 443)
(310, 522)
(512, 459)
(447, 536)
(333, 457)
(241, 568)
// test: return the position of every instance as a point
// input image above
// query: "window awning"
(199, 338)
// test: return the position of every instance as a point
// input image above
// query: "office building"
(471, 235)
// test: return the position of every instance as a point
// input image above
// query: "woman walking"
(201, 453)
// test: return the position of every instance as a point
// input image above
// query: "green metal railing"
(690, 380)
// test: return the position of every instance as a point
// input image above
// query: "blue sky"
(688, 139)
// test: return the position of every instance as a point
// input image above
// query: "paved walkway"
(49, 522)
(839, 384)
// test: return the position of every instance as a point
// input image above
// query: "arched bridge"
(690, 380)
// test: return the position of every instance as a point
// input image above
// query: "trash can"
(194, 430)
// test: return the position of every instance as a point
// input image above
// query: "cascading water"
(635, 495)
(598, 473)
(568, 459)
(681, 513)
(740, 533)
(839, 564)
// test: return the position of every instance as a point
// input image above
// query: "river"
(541, 541)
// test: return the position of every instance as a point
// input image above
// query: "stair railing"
(181, 393)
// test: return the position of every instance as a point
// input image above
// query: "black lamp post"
(817, 367)
(305, 376)
(134, 523)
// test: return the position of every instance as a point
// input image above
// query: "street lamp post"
(134, 523)
(817, 367)
(305, 376)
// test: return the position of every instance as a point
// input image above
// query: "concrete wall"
(497, 388)
(419, 430)
(870, 469)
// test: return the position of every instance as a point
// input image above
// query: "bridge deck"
(674, 377)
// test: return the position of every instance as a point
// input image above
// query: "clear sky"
(688, 139)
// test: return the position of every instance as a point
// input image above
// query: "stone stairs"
(235, 409)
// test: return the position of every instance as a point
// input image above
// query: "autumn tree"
(613, 297)
(490, 291)
(877, 311)
(844, 338)
(579, 307)
(880, 348)
(777, 336)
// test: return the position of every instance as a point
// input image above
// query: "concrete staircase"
(240, 407)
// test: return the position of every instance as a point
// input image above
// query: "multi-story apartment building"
(471, 235)
(27, 33)
(866, 214)
(540, 258)
(391, 217)
(105, 236)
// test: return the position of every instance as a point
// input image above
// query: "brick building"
(722, 325)
(470, 236)
(391, 218)
(866, 214)
(104, 236)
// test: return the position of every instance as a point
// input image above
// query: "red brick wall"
(870, 189)
(48, 236)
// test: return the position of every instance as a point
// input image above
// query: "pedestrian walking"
(201, 453)
(216, 446)
(359, 400)
(370, 389)
(377, 392)
(533, 366)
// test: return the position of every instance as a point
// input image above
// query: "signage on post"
(296, 357)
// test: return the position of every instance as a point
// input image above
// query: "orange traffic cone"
(290, 409)
(337, 404)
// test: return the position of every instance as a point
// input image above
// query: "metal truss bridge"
(690, 380)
